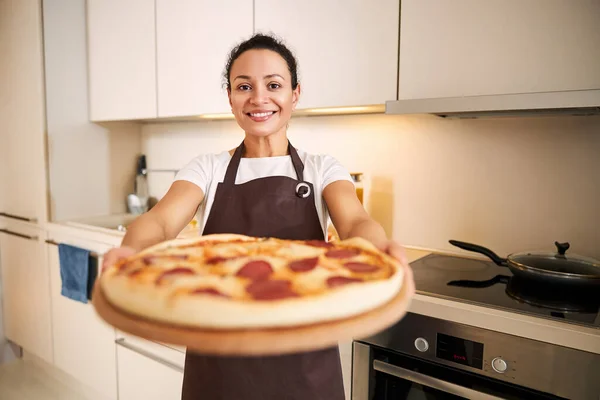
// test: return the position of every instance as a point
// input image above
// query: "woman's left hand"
(397, 251)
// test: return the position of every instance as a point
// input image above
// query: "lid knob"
(562, 247)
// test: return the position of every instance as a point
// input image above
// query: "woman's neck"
(268, 146)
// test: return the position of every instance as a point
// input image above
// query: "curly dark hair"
(267, 42)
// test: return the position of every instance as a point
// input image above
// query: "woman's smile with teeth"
(261, 114)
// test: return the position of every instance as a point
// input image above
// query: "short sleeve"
(333, 171)
(198, 171)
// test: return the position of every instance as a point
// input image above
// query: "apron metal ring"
(302, 190)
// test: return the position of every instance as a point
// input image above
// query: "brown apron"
(275, 206)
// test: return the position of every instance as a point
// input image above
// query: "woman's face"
(261, 95)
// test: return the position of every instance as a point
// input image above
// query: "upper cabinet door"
(122, 59)
(347, 50)
(474, 47)
(194, 39)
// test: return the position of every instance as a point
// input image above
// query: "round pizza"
(225, 281)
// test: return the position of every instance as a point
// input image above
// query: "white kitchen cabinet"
(26, 289)
(84, 345)
(144, 376)
(22, 111)
(473, 47)
(193, 40)
(347, 50)
(122, 59)
(164, 58)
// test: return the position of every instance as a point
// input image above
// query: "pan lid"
(558, 262)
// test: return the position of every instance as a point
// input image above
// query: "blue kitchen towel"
(74, 272)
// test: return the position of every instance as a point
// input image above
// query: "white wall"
(92, 166)
(510, 184)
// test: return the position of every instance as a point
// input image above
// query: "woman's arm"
(162, 222)
(349, 216)
(351, 219)
(167, 218)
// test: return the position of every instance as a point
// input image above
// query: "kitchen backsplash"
(509, 184)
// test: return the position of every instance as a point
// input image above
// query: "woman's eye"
(274, 86)
(244, 87)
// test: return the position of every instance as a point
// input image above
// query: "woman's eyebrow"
(266, 77)
(273, 76)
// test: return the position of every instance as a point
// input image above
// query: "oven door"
(381, 374)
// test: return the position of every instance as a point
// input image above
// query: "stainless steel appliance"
(428, 358)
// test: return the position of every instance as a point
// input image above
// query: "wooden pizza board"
(256, 342)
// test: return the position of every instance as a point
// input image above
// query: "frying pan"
(552, 268)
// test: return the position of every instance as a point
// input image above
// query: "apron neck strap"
(234, 164)
(298, 165)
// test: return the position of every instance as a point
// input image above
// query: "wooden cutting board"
(255, 342)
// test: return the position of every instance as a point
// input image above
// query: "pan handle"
(479, 249)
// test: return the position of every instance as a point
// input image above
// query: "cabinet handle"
(122, 342)
(52, 242)
(18, 234)
(18, 217)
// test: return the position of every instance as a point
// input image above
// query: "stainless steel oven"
(428, 358)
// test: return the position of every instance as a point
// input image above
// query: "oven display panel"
(459, 350)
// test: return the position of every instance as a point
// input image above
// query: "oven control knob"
(421, 345)
(499, 365)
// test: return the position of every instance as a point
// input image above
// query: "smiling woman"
(262, 84)
(263, 188)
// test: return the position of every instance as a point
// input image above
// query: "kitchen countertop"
(568, 335)
(103, 228)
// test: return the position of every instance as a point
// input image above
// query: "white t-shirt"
(207, 170)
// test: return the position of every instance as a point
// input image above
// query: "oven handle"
(428, 381)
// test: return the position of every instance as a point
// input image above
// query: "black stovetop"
(484, 283)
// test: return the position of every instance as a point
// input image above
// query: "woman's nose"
(259, 96)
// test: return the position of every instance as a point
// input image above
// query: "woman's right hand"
(116, 254)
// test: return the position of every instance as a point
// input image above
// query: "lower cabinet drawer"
(143, 375)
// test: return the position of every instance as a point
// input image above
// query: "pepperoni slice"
(271, 290)
(304, 265)
(342, 253)
(175, 271)
(336, 281)
(318, 243)
(209, 291)
(256, 270)
(361, 267)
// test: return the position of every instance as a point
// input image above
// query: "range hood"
(571, 102)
